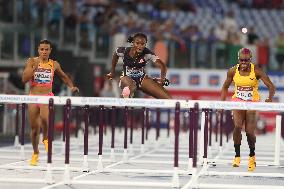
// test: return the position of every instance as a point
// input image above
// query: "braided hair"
(132, 37)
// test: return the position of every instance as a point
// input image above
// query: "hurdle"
(78, 101)
(193, 183)
(193, 162)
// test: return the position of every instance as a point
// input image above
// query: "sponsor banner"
(209, 80)
(193, 79)
(277, 79)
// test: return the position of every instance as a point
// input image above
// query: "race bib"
(133, 72)
(43, 76)
(244, 93)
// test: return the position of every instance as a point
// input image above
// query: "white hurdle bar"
(93, 101)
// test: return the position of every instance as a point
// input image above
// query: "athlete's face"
(139, 43)
(44, 51)
(244, 61)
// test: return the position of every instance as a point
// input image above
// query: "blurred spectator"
(40, 6)
(222, 36)
(280, 51)
(6, 13)
(70, 18)
(252, 36)
(85, 21)
(221, 33)
(54, 15)
(230, 23)
(212, 38)
(263, 53)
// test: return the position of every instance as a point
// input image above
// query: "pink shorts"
(48, 94)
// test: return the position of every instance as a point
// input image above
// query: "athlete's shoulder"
(232, 70)
(257, 69)
(148, 51)
(120, 49)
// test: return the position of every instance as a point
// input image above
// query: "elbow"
(24, 80)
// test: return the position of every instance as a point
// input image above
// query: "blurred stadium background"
(197, 39)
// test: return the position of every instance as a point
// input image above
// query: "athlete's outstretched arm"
(158, 63)
(63, 76)
(114, 61)
(227, 83)
(266, 80)
(29, 70)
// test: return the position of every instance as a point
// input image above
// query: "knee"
(238, 123)
(238, 128)
(34, 130)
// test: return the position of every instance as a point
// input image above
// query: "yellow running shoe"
(251, 163)
(34, 160)
(45, 142)
(236, 162)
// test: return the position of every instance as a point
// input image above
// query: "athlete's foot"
(34, 160)
(251, 163)
(236, 162)
(45, 142)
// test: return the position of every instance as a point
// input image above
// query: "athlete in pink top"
(39, 71)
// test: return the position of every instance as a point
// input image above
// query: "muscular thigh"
(152, 88)
(33, 115)
(44, 112)
(239, 117)
(251, 119)
(126, 81)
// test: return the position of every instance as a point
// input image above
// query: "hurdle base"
(66, 176)
(125, 156)
(131, 149)
(85, 167)
(175, 180)
(22, 152)
(48, 176)
(16, 142)
(189, 167)
(100, 166)
(112, 155)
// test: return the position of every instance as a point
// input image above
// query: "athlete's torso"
(134, 67)
(42, 79)
(246, 87)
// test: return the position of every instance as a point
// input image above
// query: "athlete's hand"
(162, 82)
(109, 76)
(268, 100)
(74, 90)
(35, 64)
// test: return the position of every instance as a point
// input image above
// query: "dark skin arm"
(64, 77)
(227, 83)
(111, 74)
(158, 63)
(28, 72)
(261, 75)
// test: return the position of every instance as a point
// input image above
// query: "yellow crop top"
(246, 87)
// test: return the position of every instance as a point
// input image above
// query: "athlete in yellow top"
(245, 77)
(39, 71)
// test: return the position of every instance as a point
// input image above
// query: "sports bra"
(43, 75)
